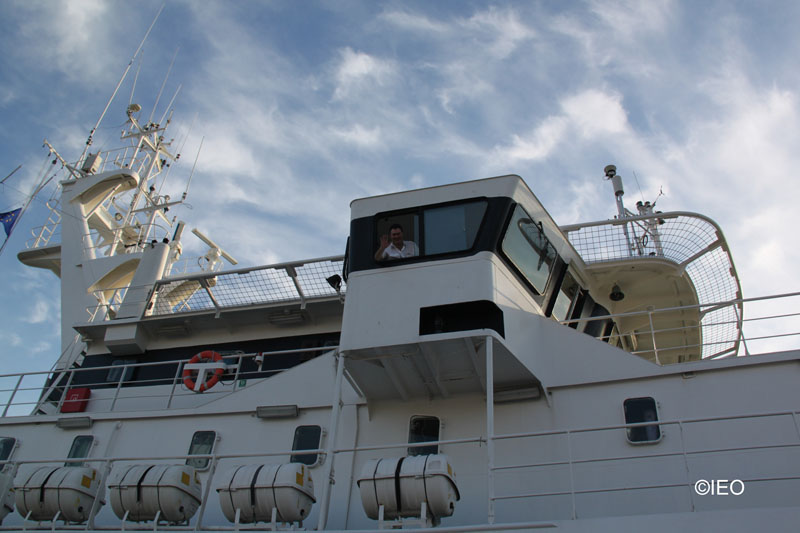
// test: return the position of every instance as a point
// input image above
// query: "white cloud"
(72, 37)
(464, 83)
(38, 348)
(358, 72)
(596, 113)
(588, 116)
(623, 36)
(630, 20)
(360, 135)
(40, 312)
(539, 144)
(506, 32)
(415, 22)
(9, 338)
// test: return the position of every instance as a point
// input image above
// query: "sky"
(302, 106)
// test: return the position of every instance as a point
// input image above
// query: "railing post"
(489, 348)
(119, 386)
(13, 393)
(238, 370)
(740, 323)
(292, 272)
(100, 494)
(571, 475)
(686, 465)
(328, 476)
(202, 510)
(66, 389)
(174, 384)
(796, 426)
(653, 333)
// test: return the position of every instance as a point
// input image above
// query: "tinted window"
(526, 245)
(79, 449)
(306, 438)
(452, 228)
(639, 410)
(202, 444)
(6, 447)
(114, 374)
(430, 230)
(423, 429)
(566, 295)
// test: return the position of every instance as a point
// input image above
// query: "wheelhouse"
(497, 220)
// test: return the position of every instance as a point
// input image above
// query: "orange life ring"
(210, 382)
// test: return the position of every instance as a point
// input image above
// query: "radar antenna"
(214, 252)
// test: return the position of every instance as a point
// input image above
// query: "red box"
(76, 400)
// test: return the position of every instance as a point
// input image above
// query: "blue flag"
(9, 219)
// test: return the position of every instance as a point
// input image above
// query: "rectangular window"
(114, 374)
(79, 449)
(306, 438)
(598, 328)
(6, 447)
(428, 231)
(423, 429)
(638, 410)
(527, 247)
(202, 444)
(452, 228)
(567, 294)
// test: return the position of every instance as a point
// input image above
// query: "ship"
(466, 365)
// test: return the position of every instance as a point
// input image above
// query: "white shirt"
(409, 249)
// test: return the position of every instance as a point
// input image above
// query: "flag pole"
(42, 182)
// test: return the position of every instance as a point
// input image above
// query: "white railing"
(769, 331)
(691, 241)
(650, 451)
(763, 327)
(22, 392)
(43, 234)
(566, 468)
(297, 281)
(300, 281)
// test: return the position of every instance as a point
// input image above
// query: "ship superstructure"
(506, 373)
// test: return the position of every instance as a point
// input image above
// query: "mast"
(610, 172)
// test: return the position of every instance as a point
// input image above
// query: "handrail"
(570, 461)
(638, 453)
(126, 370)
(736, 302)
(692, 242)
(301, 281)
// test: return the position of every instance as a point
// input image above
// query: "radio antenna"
(119, 84)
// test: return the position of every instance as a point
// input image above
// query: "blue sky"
(303, 106)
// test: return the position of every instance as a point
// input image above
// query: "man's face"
(397, 237)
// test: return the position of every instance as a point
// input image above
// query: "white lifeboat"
(402, 484)
(258, 490)
(66, 491)
(141, 493)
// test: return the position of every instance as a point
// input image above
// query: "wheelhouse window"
(428, 231)
(565, 300)
(79, 449)
(638, 410)
(527, 247)
(423, 429)
(202, 444)
(306, 438)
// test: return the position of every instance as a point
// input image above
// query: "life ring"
(210, 356)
